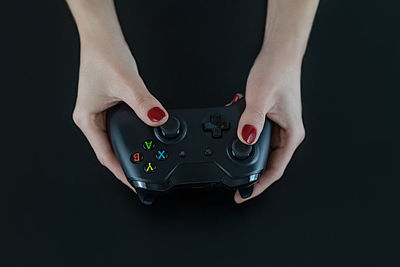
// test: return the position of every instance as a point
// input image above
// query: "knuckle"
(301, 134)
(79, 117)
(145, 102)
(276, 173)
(260, 115)
(104, 160)
(257, 113)
(298, 134)
(101, 160)
(142, 101)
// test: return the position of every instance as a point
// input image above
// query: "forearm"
(287, 29)
(96, 20)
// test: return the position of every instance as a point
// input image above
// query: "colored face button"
(161, 154)
(136, 157)
(149, 167)
(148, 144)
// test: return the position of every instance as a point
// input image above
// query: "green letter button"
(148, 144)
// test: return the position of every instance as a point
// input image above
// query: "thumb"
(252, 121)
(146, 106)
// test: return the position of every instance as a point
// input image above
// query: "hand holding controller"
(195, 146)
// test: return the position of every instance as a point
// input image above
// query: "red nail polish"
(156, 114)
(235, 98)
(249, 133)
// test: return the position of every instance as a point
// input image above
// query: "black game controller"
(194, 147)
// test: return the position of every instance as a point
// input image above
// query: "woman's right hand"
(108, 74)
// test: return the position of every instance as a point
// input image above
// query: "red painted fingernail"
(235, 98)
(249, 133)
(156, 114)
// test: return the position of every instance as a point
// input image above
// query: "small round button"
(240, 150)
(149, 167)
(148, 144)
(161, 154)
(171, 128)
(208, 152)
(136, 157)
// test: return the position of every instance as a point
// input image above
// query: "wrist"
(282, 53)
(278, 63)
(93, 34)
(97, 21)
(276, 70)
(102, 41)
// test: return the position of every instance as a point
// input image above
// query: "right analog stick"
(241, 151)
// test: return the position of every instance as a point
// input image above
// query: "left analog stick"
(171, 128)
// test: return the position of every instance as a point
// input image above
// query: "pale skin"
(108, 74)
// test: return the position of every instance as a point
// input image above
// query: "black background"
(337, 204)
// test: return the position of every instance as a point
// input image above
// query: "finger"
(236, 97)
(146, 106)
(279, 158)
(252, 121)
(93, 127)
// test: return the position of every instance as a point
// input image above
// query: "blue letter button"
(162, 154)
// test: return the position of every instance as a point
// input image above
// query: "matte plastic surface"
(196, 156)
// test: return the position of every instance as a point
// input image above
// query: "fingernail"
(156, 114)
(235, 98)
(249, 133)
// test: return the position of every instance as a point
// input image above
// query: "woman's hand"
(108, 75)
(273, 86)
(273, 91)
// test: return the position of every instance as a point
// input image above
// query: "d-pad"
(216, 125)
